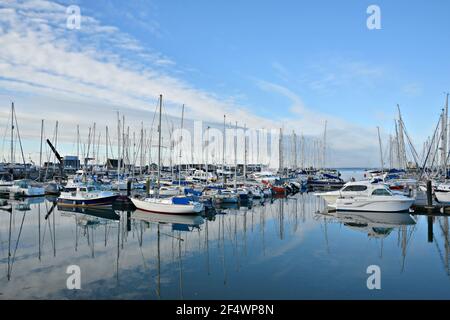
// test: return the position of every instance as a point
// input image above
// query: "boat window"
(381, 192)
(355, 188)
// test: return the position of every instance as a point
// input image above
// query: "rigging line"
(429, 150)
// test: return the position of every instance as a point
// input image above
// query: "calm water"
(279, 250)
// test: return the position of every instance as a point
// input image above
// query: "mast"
(159, 146)
(12, 133)
(324, 163)
(245, 153)
(141, 151)
(207, 151)
(106, 146)
(445, 137)
(294, 143)
(40, 150)
(118, 149)
(280, 151)
(78, 142)
(303, 151)
(235, 157)
(181, 145)
(401, 140)
(381, 149)
(223, 149)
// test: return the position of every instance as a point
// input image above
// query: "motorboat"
(87, 196)
(377, 198)
(442, 192)
(171, 205)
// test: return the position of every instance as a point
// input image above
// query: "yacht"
(377, 198)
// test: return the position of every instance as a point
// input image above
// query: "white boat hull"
(443, 197)
(379, 204)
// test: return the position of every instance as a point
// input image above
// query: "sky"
(265, 64)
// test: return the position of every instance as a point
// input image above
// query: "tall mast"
(245, 153)
(206, 156)
(181, 145)
(118, 148)
(223, 149)
(324, 163)
(445, 137)
(381, 149)
(401, 140)
(159, 146)
(280, 151)
(294, 145)
(303, 151)
(12, 133)
(40, 150)
(141, 157)
(235, 156)
(106, 145)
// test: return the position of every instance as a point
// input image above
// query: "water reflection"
(257, 250)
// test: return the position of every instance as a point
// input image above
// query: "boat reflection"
(178, 222)
(374, 224)
(102, 213)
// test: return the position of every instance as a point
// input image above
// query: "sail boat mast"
(159, 146)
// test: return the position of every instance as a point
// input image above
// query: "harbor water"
(287, 248)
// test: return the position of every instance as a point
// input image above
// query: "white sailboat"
(170, 205)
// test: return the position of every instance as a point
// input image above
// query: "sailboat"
(169, 205)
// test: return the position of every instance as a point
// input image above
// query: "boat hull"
(94, 202)
(372, 205)
(442, 197)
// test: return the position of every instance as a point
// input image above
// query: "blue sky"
(291, 63)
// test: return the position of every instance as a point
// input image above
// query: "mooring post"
(128, 188)
(429, 194)
(147, 186)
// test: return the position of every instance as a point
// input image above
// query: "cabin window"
(355, 188)
(381, 192)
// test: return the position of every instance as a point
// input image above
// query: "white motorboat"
(350, 189)
(172, 205)
(379, 198)
(26, 188)
(87, 196)
(442, 192)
